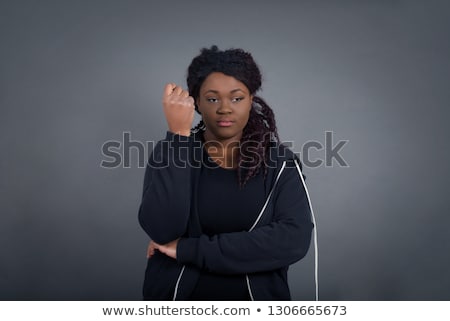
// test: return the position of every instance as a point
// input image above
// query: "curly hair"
(261, 129)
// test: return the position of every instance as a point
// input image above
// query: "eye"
(212, 100)
(237, 99)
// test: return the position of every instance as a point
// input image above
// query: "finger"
(191, 100)
(168, 89)
(150, 249)
(177, 90)
(151, 253)
(184, 94)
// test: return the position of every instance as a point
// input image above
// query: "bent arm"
(165, 206)
(283, 241)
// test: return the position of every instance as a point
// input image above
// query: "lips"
(225, 122)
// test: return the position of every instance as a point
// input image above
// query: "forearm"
(265, 248)
(281, 237)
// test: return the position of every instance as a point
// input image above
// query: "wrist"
(187, 250)
(185, 133)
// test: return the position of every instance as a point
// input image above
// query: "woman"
(224, 203)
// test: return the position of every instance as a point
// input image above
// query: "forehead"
(217, 81)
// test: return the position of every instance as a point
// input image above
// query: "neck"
(225, 155)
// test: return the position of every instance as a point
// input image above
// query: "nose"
(224, 108)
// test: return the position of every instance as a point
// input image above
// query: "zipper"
(178, 283)
(257, 220)
(249, 287)
(268, 197)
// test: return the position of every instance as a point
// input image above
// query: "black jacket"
(279, 237)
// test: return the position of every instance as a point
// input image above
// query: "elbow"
(300, 253)
(164, 238)
(302, 243)
(159, 230)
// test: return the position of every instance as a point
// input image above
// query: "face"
(225, 104)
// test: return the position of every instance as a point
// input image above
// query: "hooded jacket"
(279, 237)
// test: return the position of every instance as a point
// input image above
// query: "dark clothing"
(218, 287)
(223, 207)
(270, 226)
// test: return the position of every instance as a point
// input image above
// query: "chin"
(227, 135)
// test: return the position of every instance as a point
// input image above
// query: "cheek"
(202, 111)
(205, 114)
(246, 114)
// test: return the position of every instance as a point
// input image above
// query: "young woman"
(224, 203)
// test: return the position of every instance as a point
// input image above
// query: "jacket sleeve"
(281, 242)
(165, 206)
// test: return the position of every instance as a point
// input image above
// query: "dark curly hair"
(261, 129)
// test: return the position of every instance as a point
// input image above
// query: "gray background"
(75, 74)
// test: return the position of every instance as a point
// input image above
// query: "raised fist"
(179, 109)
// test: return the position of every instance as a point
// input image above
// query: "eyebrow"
(216, 92)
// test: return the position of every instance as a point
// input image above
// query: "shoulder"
(282, 158)
(279, 153)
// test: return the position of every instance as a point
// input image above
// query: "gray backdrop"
(76, 74)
